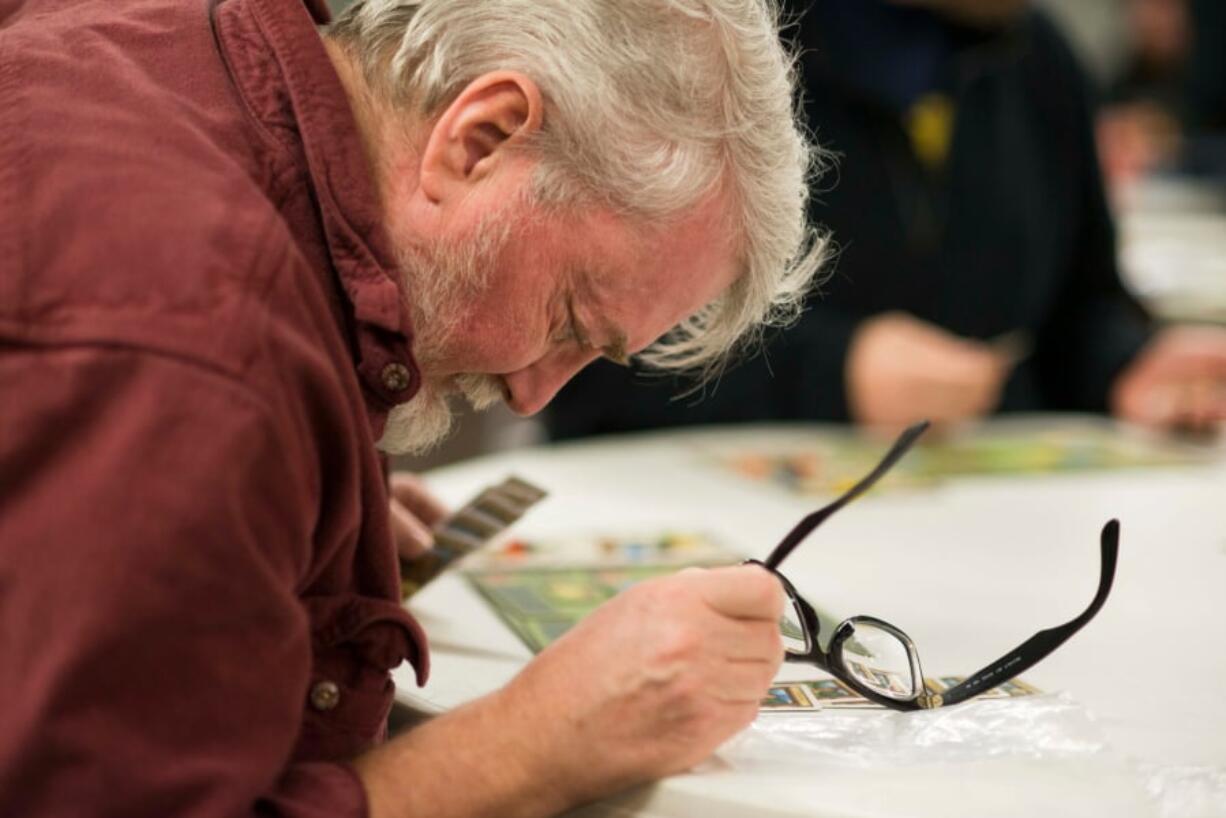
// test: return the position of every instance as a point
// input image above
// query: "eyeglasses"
(878, 660)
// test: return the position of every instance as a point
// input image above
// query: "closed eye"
(615, 351)
(574, 330)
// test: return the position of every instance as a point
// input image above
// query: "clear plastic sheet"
(1187, 792)
(1033, 727)
(1041, 728)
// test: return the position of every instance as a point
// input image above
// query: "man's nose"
(531, 388)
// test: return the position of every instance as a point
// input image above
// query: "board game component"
(476, 523)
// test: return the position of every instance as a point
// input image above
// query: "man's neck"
(383, 141)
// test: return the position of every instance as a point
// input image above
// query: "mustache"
(481, 391)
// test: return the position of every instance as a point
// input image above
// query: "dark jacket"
(1012, 234)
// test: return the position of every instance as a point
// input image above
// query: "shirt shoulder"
(137, 201)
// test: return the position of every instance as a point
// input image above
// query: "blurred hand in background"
(901, 369)
(1178, 381)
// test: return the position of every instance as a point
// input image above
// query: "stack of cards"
(478, 522)
(817, 694)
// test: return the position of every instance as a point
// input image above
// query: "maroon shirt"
(200, 339)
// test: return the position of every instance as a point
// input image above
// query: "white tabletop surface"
(969, 568)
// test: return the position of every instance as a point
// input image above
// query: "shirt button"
(325, 696)
(396, 377)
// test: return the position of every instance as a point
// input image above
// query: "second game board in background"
(829, 461)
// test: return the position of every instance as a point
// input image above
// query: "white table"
(969, 569)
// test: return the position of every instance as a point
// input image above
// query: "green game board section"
(541, 604)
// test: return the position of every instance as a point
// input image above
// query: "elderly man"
(240, 253)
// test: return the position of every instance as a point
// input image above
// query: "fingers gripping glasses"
(878, 660)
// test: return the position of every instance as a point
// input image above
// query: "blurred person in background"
(977, 264)
(1166, 108)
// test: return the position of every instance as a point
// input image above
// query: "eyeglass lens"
(880, 660)
(791, 626)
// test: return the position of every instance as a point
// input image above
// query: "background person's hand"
(654, 680)
(901, 369)
(414, 513)
(1178, 381)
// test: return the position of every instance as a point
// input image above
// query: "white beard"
(416, 427)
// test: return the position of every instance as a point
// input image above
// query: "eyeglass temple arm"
(794, 537)
(1037, 647)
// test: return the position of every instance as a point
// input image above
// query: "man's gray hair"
(651, 105)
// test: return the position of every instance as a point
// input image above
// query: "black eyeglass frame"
(1012, 664)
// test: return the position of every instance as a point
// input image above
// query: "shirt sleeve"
(153, 653)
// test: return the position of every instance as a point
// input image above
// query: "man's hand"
(1178, 381)
(414, 514)
(901, 369)
(648, 685)
(657, 678)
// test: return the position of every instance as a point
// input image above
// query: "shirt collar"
(277, 59)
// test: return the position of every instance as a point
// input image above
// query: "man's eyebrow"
(578, 329)
(616, 350)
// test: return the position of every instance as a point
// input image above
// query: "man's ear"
(493, 113)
